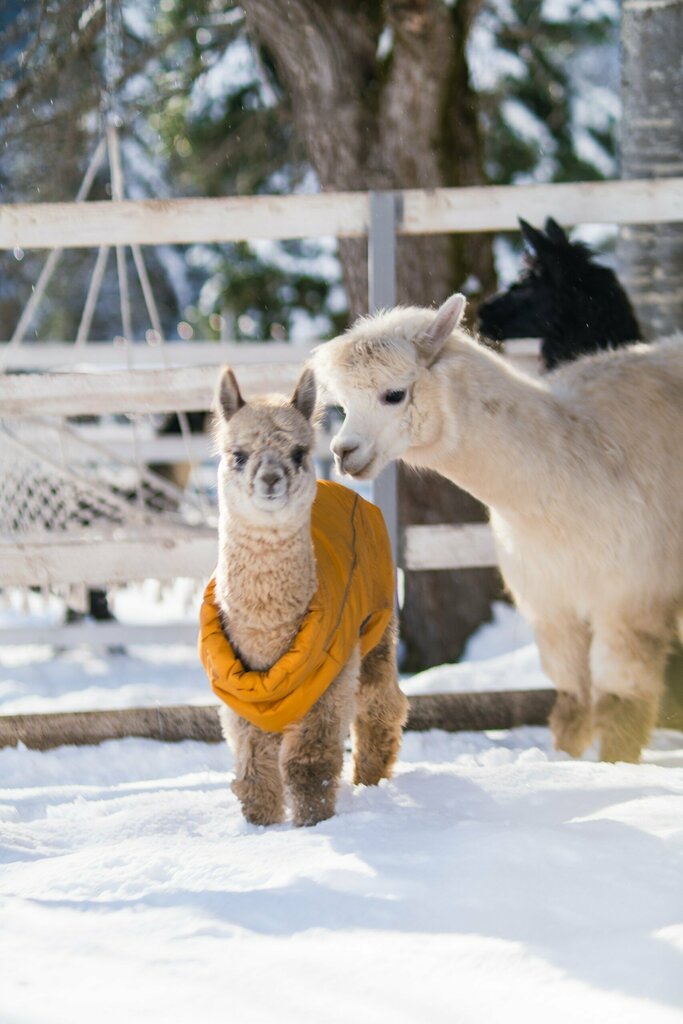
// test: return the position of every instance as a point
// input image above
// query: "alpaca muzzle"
(352, 456)
(270, 481)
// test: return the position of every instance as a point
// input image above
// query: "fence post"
(382, 295)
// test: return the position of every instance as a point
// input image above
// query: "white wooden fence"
(103, 378)
(345, 215)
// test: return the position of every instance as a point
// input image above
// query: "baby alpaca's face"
(266, 473)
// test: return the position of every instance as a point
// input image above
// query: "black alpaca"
(571, 303)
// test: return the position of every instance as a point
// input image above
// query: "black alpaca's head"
(563, 297)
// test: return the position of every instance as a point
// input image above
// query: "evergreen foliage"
(203, 113)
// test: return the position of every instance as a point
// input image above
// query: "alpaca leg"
(381, 712)
(312, 752)
(564, 645)
(258, 783)
(628, 672)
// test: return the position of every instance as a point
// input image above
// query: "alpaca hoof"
(365, 777)
(570, 724)
(311, 805)
(305, 817)
(613, 753)
(624, 724)
(257, 816)
(259, 808)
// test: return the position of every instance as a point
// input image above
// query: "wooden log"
(82, 728)
(451, 712)
(465, 712)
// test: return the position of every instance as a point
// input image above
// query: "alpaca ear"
(555, 233)
(535, 240)
(228, 397)
(304, 395)
(448, 317)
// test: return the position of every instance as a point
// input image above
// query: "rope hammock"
(57, 485)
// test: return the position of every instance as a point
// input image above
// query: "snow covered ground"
(490, 880)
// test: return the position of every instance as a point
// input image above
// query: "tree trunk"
(651, 257)
(404, 119)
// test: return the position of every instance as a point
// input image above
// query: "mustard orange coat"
(353, 604)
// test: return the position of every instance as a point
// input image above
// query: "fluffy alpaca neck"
(265, 580)
(502, 433)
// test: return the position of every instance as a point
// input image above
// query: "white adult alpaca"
(583, 475)
(303, 587)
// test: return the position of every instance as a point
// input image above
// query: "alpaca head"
(266, 475)
(381, 373)
(563, 297)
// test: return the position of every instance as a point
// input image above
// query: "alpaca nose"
(342, 449)
(270, 478)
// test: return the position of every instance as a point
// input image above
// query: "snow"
(490, 879)
(235, 69)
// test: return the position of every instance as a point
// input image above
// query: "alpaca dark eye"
(393, 397)
(239, 459)
(298, 456)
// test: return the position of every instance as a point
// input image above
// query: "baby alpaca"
(297, 629)
(583, 475)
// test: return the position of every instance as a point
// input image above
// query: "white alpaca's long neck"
(502, 435)
(265, 580)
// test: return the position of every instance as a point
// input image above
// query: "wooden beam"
(53, 355)
(340, 214)
(464, 712)
(100, 634)
(82, 728)
(497, 207)
(74, 394)
(182, 221)
(100, 562)
(67, 357)
(469, 546)
(166, 448)
(105, 562)
(452, 712)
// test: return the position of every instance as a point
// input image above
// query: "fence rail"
(121, 559)
(143, 355)
(341, 214)
(127, 391)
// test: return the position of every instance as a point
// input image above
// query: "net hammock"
(55, 485)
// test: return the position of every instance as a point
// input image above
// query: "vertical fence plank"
(382, 295)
